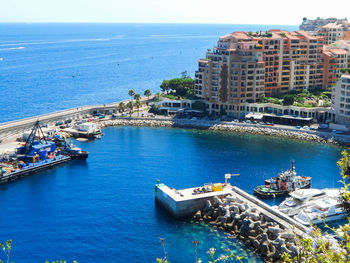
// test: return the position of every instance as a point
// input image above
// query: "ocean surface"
(103, 210)
(106, 60)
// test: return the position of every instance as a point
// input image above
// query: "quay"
(230, 209)
(42, 165)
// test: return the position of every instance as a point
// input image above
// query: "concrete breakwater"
(232, 127)
(245, 222)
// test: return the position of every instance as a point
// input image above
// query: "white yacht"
(325, 209)
(302, 197)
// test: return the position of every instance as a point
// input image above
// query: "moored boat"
(283, 184)
(74, 152)
(322, 210)
(302, 197)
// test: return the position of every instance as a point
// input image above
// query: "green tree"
(130, 106)
(121, 107)
(131, 93)
(147, 93)
(185, 75)
(288, 99)
(137, 96)
(138, 105)
(165, 86)
(344, 165)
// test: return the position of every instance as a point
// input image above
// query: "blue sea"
(103, 210)
(106, 60)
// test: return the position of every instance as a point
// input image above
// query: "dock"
(16, 174)
(229, 208)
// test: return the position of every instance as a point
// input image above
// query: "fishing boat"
(302, 197)
(322, 210)
(283, 184)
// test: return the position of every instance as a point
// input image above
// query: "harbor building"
(341, 100)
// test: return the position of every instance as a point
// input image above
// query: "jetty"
(233, 210)
(33, 168)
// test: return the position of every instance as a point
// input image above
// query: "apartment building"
(335, 60)
(245, 66)
(333, 32)
(341, 99)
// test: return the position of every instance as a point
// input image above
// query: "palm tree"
(147, 93)
(138, 104)
(121, 107)
(131, 93)
(137, 96)
(130, 105)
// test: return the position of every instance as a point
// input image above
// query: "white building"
(341, 100)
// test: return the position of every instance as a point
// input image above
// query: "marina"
(231, 209)
(90, 196)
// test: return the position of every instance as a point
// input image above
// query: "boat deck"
(33, 168)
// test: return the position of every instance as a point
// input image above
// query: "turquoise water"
(107, 60)
(104, 211)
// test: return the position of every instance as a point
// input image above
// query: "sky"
(279, 12)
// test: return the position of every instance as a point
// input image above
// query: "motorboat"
(302, 197)
(325, 209)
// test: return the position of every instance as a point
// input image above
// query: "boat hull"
(79, 156)
(264, 191)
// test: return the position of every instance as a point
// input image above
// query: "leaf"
(8, 244)
(2, 246)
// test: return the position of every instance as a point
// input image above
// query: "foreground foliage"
(7, 251)
(323, 247)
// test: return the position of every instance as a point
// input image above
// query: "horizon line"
(161, 23)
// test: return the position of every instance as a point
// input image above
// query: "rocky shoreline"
(217, 126)
(256, 230)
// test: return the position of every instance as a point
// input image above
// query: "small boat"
(283, 184)
(302, 197)
(322, 210)
(74, 152)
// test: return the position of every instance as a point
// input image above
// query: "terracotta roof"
(241, 35)
(332, 25)
(338, 51)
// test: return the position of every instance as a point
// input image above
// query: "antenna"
(228, 176)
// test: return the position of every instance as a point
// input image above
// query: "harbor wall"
(180, 208)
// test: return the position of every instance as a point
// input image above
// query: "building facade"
(246, 66)
(341, 100)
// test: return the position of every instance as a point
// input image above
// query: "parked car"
(59, 123)
(306, 127)
(323, 126)
(298, 127)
